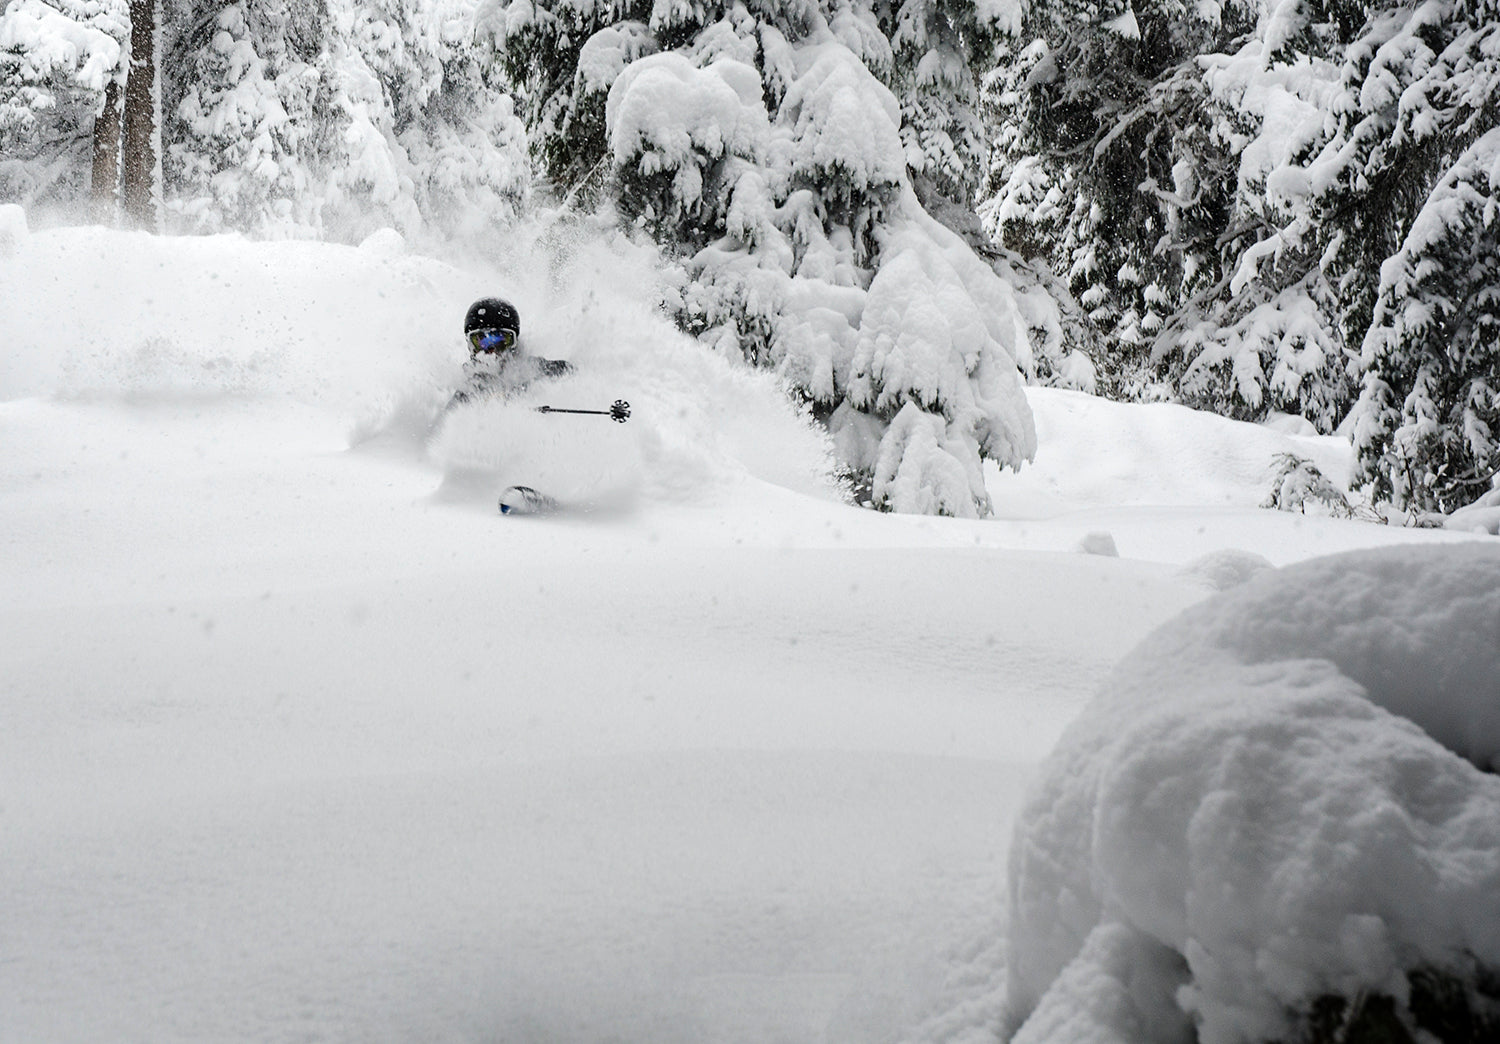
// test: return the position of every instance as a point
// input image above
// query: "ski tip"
(523, 500)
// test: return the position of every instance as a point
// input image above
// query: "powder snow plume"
(594, 298)
(370, 339)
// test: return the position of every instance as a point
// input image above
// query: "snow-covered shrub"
(766, 151)
(1297, 483)
(1274, 816)
(823, 264)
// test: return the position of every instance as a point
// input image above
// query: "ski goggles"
(492, 340)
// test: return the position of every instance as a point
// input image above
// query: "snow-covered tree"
(765, 149)
(332, 117)
(940, 51)
(252, 123)
(62, 74)
(1134, 149)
(1406, 193)
(1428, 417)
(561, 59)
(1267, 334)
(1104, 156)
(427, 138)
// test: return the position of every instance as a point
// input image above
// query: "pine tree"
(940, 51)
(1428, 418)
(560, 60)
(1133, 156)
(453, 137)
(1402, 196)
(1109, 167)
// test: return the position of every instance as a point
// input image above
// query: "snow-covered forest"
(1046, 590)
(1278, 206)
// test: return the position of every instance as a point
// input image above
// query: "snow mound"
(1099, 542)
(1482, 516)
(1273, 801)
(1230, 567)
(384, 242)
(1094, 452)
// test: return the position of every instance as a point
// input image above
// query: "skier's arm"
(478, 385)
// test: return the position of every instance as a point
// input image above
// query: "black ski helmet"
(491, 313)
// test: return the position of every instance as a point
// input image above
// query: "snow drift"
(1277, 798)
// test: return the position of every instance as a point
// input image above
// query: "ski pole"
(619, 411)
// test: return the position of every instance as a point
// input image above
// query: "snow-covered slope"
(303, 740)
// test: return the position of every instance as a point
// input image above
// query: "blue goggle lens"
(493, 340)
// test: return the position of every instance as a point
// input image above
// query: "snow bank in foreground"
(1250, 816)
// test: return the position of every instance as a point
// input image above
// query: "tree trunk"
(138, 185)
(105, 183)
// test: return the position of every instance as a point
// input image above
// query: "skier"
(498, 363)
(500, 366)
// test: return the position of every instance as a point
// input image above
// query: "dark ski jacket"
(507, 375)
